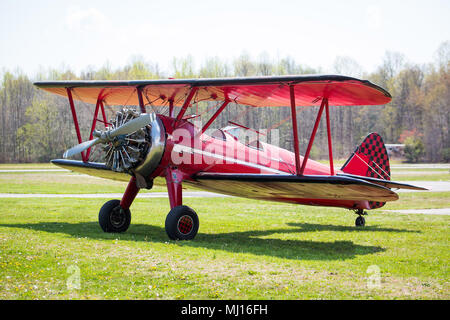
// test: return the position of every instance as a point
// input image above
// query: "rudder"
(370, 159)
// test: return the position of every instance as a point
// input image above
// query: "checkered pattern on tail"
(373, 147)
(373, 152)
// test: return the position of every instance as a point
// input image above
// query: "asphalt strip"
(186, 194)
(433, 186)
(444, 211)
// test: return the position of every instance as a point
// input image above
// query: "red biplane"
(153, 147)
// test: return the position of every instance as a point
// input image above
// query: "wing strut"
(295, 131)
(330, 145)
(75, 121)
(215, 115)
(313, 135)
(141, 100)
(186, 104)
(171, 108)
(104, 114)
(94, 122)
(99, 105)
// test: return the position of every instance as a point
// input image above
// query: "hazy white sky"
(79, 34)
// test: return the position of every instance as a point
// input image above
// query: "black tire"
(112, 218)
(360, 221)
(182, 223)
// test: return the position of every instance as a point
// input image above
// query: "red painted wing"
(257, 91)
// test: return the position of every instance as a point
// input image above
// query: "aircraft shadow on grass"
(254, 242)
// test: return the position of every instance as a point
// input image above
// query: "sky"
(35, 35)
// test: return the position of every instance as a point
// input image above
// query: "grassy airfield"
(245, 249)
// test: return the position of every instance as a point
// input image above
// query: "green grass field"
(245, 249)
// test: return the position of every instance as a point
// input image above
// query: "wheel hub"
(185, 224)
(117, 217)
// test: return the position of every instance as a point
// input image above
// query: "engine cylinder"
(139, 152)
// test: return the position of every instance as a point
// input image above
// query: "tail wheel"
(360, 221)
(182, 223)
(113, 218)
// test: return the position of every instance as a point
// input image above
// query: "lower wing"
(92, 168)
(287, 188)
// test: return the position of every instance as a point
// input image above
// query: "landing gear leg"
(360, 221)
(182, 222)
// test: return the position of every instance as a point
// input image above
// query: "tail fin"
(370, 159)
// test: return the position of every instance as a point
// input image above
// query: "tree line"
(37, 126)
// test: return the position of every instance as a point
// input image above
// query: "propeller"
(108, 135)
(80, 148)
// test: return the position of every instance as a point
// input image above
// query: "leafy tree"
(244, 66)
(414, 149)
(446, 154)
(183, 68)
(37, 126)
(41, 135)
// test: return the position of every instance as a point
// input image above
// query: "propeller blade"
(80, 147)
(132, 126)
(127, 128)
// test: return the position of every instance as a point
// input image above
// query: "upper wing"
(286, 187)
(257, 91)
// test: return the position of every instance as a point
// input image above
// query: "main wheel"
(182, 223)
(360, 221)
(112, 218)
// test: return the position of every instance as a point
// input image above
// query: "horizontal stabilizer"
(385, 183)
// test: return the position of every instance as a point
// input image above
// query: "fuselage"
(223, 152)
(191, 153)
